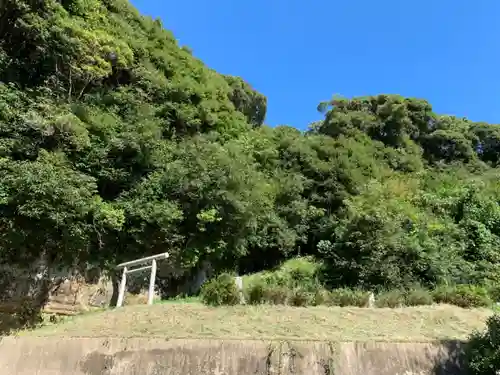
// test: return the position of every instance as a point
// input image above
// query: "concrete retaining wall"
(90, 356)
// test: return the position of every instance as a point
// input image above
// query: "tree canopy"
(116, 142)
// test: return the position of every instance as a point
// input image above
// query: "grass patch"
(178, 300)
(193, 320)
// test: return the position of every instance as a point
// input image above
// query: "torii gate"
(126, 270)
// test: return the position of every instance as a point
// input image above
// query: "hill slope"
(116, 143)
(192, 320)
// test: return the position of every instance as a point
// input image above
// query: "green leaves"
(221, 195)
(46, 206)
(246, 100)
(116, 143)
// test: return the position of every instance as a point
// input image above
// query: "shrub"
(299, 297)
(465, 296)
(276, 279)
(321, 297)
(393, 298)
(349, 297)
(300, 278)
(494, 292)
(261, 292)
(300, 275)
(256, 293)
(276, 295)
(296, 272)
(303, 277)
(220, 291)
(418, 297)
(482, 352)
(443, 294)
(302, 268)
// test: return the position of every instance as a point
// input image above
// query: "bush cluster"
(306, 291)
(482, 352)
(398, 298)
(263, 293)
(220, 291)
(463, 296)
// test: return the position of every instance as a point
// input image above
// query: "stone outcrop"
(71, 291)
(74, 295)
(61, 292)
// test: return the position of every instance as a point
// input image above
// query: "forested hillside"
(115, 142)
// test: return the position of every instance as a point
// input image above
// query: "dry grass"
(181, 320)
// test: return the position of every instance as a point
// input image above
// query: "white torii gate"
(126, 270)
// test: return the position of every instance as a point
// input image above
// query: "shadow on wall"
(392, 358)
(8, 323)
(453, 362)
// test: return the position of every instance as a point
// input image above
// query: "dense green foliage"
(483, 349)
(296, 282)
(115, 142)
(220, 291)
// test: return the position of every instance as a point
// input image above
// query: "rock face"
(74, 295)
(62, 292)
(53, 291)
(69, 292)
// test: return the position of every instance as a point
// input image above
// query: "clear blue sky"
(299, 53)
